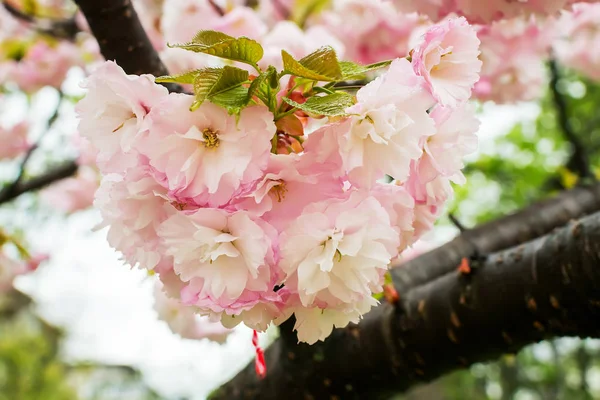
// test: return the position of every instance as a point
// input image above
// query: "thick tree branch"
(545, 288)
(527, 224)
(121, 37)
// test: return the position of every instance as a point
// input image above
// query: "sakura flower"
(371, 30)
(314, 323)
(334, 255)
(183, 320)
(182, 19)
(133, 206)
(447, 59)
(241, 21)
(580, 32)
(388, 122)
(443, 154)
(513, 54)
(113, 111)
(14, 141)
(286, 35)
(286, 188)
(399, 205)
(203, 157)
(73, 194)
(45, 65)
(227, 259)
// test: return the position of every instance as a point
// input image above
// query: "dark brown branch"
(58, 28)
(54, 174)
(579, 159)
(121, 37)
(529, 223)
(545, 288)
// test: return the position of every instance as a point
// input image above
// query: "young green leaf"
(211, 82)
(218, 44)
(184, 78)
(320, 65)
(352, 70)
(233, 99)
(331, 105)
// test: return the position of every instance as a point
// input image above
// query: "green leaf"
(331, 105)
(233, 99)
(211, 82)
(320, 65)
(184, 78)
(352, 70)
(218, 44)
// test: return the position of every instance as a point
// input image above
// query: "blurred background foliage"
(31, 367)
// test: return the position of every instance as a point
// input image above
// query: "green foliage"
(352, 70)
(320, 65)
(330, 105)
(218, 44)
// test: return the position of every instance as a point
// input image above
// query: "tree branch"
(62, 171)
(527, 224)
(121, 37)
(545, 288)
(579, 160)
(61, 29)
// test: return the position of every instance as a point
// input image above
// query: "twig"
(216, 7)
(456, 222)
(579, 158)
(62, 171)
(33, 148)
(62, 29)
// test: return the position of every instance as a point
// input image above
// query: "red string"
(259, 363)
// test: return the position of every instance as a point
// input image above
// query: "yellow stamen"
(211, 138)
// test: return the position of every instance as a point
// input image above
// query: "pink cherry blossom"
(286, 188)
(580, 32)
(447, 59)
(14, 140)
(73, 194)
(113, 112)
(182, 19)
(334, 254)
(133, 206)
(513, 54)
(443, 153)
(202, 157)
(286, 35)
(388, 122)
(371, 30)
(183, 321)
(241, 21)
(228, 260)
(45, 65)
(314, 323)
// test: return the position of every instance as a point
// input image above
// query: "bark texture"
(544, 288)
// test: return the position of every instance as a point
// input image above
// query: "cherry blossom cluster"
(244, 221)
(484, 11)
